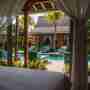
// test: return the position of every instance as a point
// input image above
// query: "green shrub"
(38, 64)
(32, 65)
(3, 63)
(19, 64)
(42, 66)
(45, 61)
(32, 56)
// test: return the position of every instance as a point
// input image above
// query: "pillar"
(9, 40)
(71, 45)
(79, 58)
(16, 37)
(25, 39)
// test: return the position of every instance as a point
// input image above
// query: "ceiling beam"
(52, 4)
(34, 8)
(28, 5)
(43, 5)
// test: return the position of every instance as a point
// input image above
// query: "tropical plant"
(24, 22)
(30, 22)
(52, 17)
(9, 40)
(38, 64)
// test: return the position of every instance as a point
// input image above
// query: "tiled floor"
(25, 79)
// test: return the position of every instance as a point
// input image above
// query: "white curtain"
(11, 7)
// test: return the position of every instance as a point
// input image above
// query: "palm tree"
(24, 21)
(7, 25)
(16, 37)
(9, 40)
(70, 46)
(52, 17)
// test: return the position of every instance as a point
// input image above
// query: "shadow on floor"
(89, 86)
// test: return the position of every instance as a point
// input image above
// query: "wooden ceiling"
(33, 6)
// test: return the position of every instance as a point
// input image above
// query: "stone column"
(80, 62)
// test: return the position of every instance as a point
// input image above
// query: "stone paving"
(25, 79)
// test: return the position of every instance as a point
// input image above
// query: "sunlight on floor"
(56, 66)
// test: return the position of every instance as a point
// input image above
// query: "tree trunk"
(16, 37)
(25, 39)
(9, 40)
(54, 39)
(80, 62)
(70, 45)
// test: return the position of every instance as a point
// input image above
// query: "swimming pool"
(57, 57)
(48, 57)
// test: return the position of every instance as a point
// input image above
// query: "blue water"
(59, 58)
(55, 58)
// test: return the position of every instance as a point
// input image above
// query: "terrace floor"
(26, 79)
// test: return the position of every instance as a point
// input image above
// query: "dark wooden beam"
(26, 39)
(16, 37)
(71, 45)
(9, 40)
(28, 5)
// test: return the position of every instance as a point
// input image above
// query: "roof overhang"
(11, 7)
(50, 30)
(34, 6)
(15, 7)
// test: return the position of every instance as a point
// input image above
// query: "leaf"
(30, 21)
(54, 16)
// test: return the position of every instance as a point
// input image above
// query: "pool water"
(51, 57)
(59, 58)
(55, 58)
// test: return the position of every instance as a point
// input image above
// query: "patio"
(25, 79)
(78, 11)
